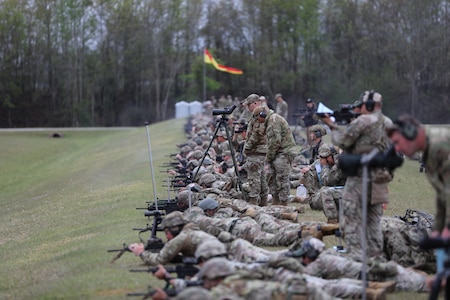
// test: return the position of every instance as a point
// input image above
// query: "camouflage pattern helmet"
(207, 178)
(318, 130)
(208, 203)
(173, 219)
(183, 197)
(192, 163)
(186, 149)
(210, 249)
(215, 268)
(194, 292)
(326, 150)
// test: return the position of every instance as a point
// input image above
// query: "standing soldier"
(363, 134)
(280, 144)
(409, 136)
(255, 150)
(282, 106)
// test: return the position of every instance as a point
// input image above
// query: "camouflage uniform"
(330, 265)
(402, 236)
(320, 181)
(436, 158)
(246, 284)
(361, 136)
(255, 149)
(186, 242)
(280, 144)
(282, 109)
(243, 251)
(330, 197)
(246, 228)
(241, 206)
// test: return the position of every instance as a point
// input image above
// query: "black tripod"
(435, 243)
(222, 123)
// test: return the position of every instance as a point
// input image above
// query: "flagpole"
(204, 77)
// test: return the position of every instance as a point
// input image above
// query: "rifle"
(121, 252)
(171, 292)
(301, 112)
(343, 116)
(146, 295)
(185, 270)
(154, 243)
(166, 205)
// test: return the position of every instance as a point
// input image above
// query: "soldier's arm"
(437, 159)
(273, 141)
(167, 253)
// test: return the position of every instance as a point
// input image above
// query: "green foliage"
(65, 62)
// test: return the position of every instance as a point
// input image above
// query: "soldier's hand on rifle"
(161, 273)
(159, 294)
(305, 169)
(137, 248)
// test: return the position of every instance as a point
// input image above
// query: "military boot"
(276, 201)
(290, 216)
(252, 200)
(333, 221)
(328, 229)
(311, 230)
(376, 294)
(389, 286)
(301, 200)
(263, 202)
(250, 212)
(300, 209)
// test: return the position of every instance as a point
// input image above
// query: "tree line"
(124, 62)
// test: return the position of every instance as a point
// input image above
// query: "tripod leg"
(447, 287)
(206, 151)
(435, 287)
(233, 156)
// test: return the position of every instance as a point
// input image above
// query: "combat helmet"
(326, 150)
(210, 249)
(208, 203)
(207, 179)
(183, 197)
(173, 219)
(319, 130)
(215, 268)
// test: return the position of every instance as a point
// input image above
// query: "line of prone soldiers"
(226, 233)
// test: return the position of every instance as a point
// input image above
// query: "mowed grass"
(65, 201)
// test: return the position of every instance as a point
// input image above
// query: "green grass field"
(65, 201)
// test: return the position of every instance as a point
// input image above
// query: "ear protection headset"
(370, 103)
(317, 133)
(263, 114)
(312, 253)
(407, 129)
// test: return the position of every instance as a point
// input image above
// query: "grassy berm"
(65, 201)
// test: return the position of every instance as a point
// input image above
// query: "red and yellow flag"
(209, 59)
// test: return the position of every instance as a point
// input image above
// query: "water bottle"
(301, 191)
